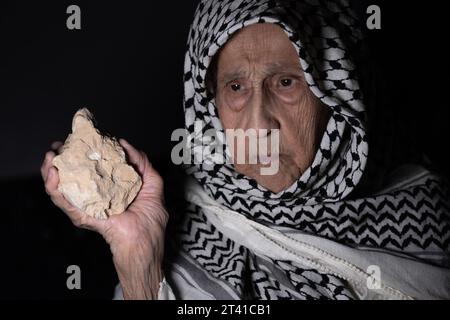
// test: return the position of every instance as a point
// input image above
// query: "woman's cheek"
(228, 113)
(291, 96)
(236, 101)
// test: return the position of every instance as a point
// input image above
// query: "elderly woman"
(319, 227)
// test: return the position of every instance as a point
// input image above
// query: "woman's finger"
(77, 217)
(140, 160)
(56, 146)
(51, 187)
(46, 164)
(134, 156)
(152, 183)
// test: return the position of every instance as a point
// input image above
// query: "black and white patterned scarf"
(411, 219)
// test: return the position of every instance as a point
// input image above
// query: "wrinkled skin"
(260, 85)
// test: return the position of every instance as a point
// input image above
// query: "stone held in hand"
(93, 172)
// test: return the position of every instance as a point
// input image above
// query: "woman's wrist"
(139, 268)
(140, 282)
(138, 258)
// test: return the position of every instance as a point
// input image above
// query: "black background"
(126, 65)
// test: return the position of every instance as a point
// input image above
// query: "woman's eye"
(235, 87)
(286, 82)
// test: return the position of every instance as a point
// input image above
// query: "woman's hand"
(135, 237)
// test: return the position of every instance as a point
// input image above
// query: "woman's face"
(260, 85)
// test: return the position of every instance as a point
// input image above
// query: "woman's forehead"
(267, 36)
(265, 44)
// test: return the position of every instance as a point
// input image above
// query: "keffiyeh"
(412, 219)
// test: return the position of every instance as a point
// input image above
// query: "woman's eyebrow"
(281, 67)
(232, 75)
(270, 69)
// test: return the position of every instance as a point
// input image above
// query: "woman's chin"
(276, 183)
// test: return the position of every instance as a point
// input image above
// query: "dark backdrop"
(126, 64)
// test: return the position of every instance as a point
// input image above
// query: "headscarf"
(413, 219)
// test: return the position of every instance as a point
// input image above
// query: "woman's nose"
(262, 115)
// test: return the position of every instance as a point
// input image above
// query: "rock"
(93, 173)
